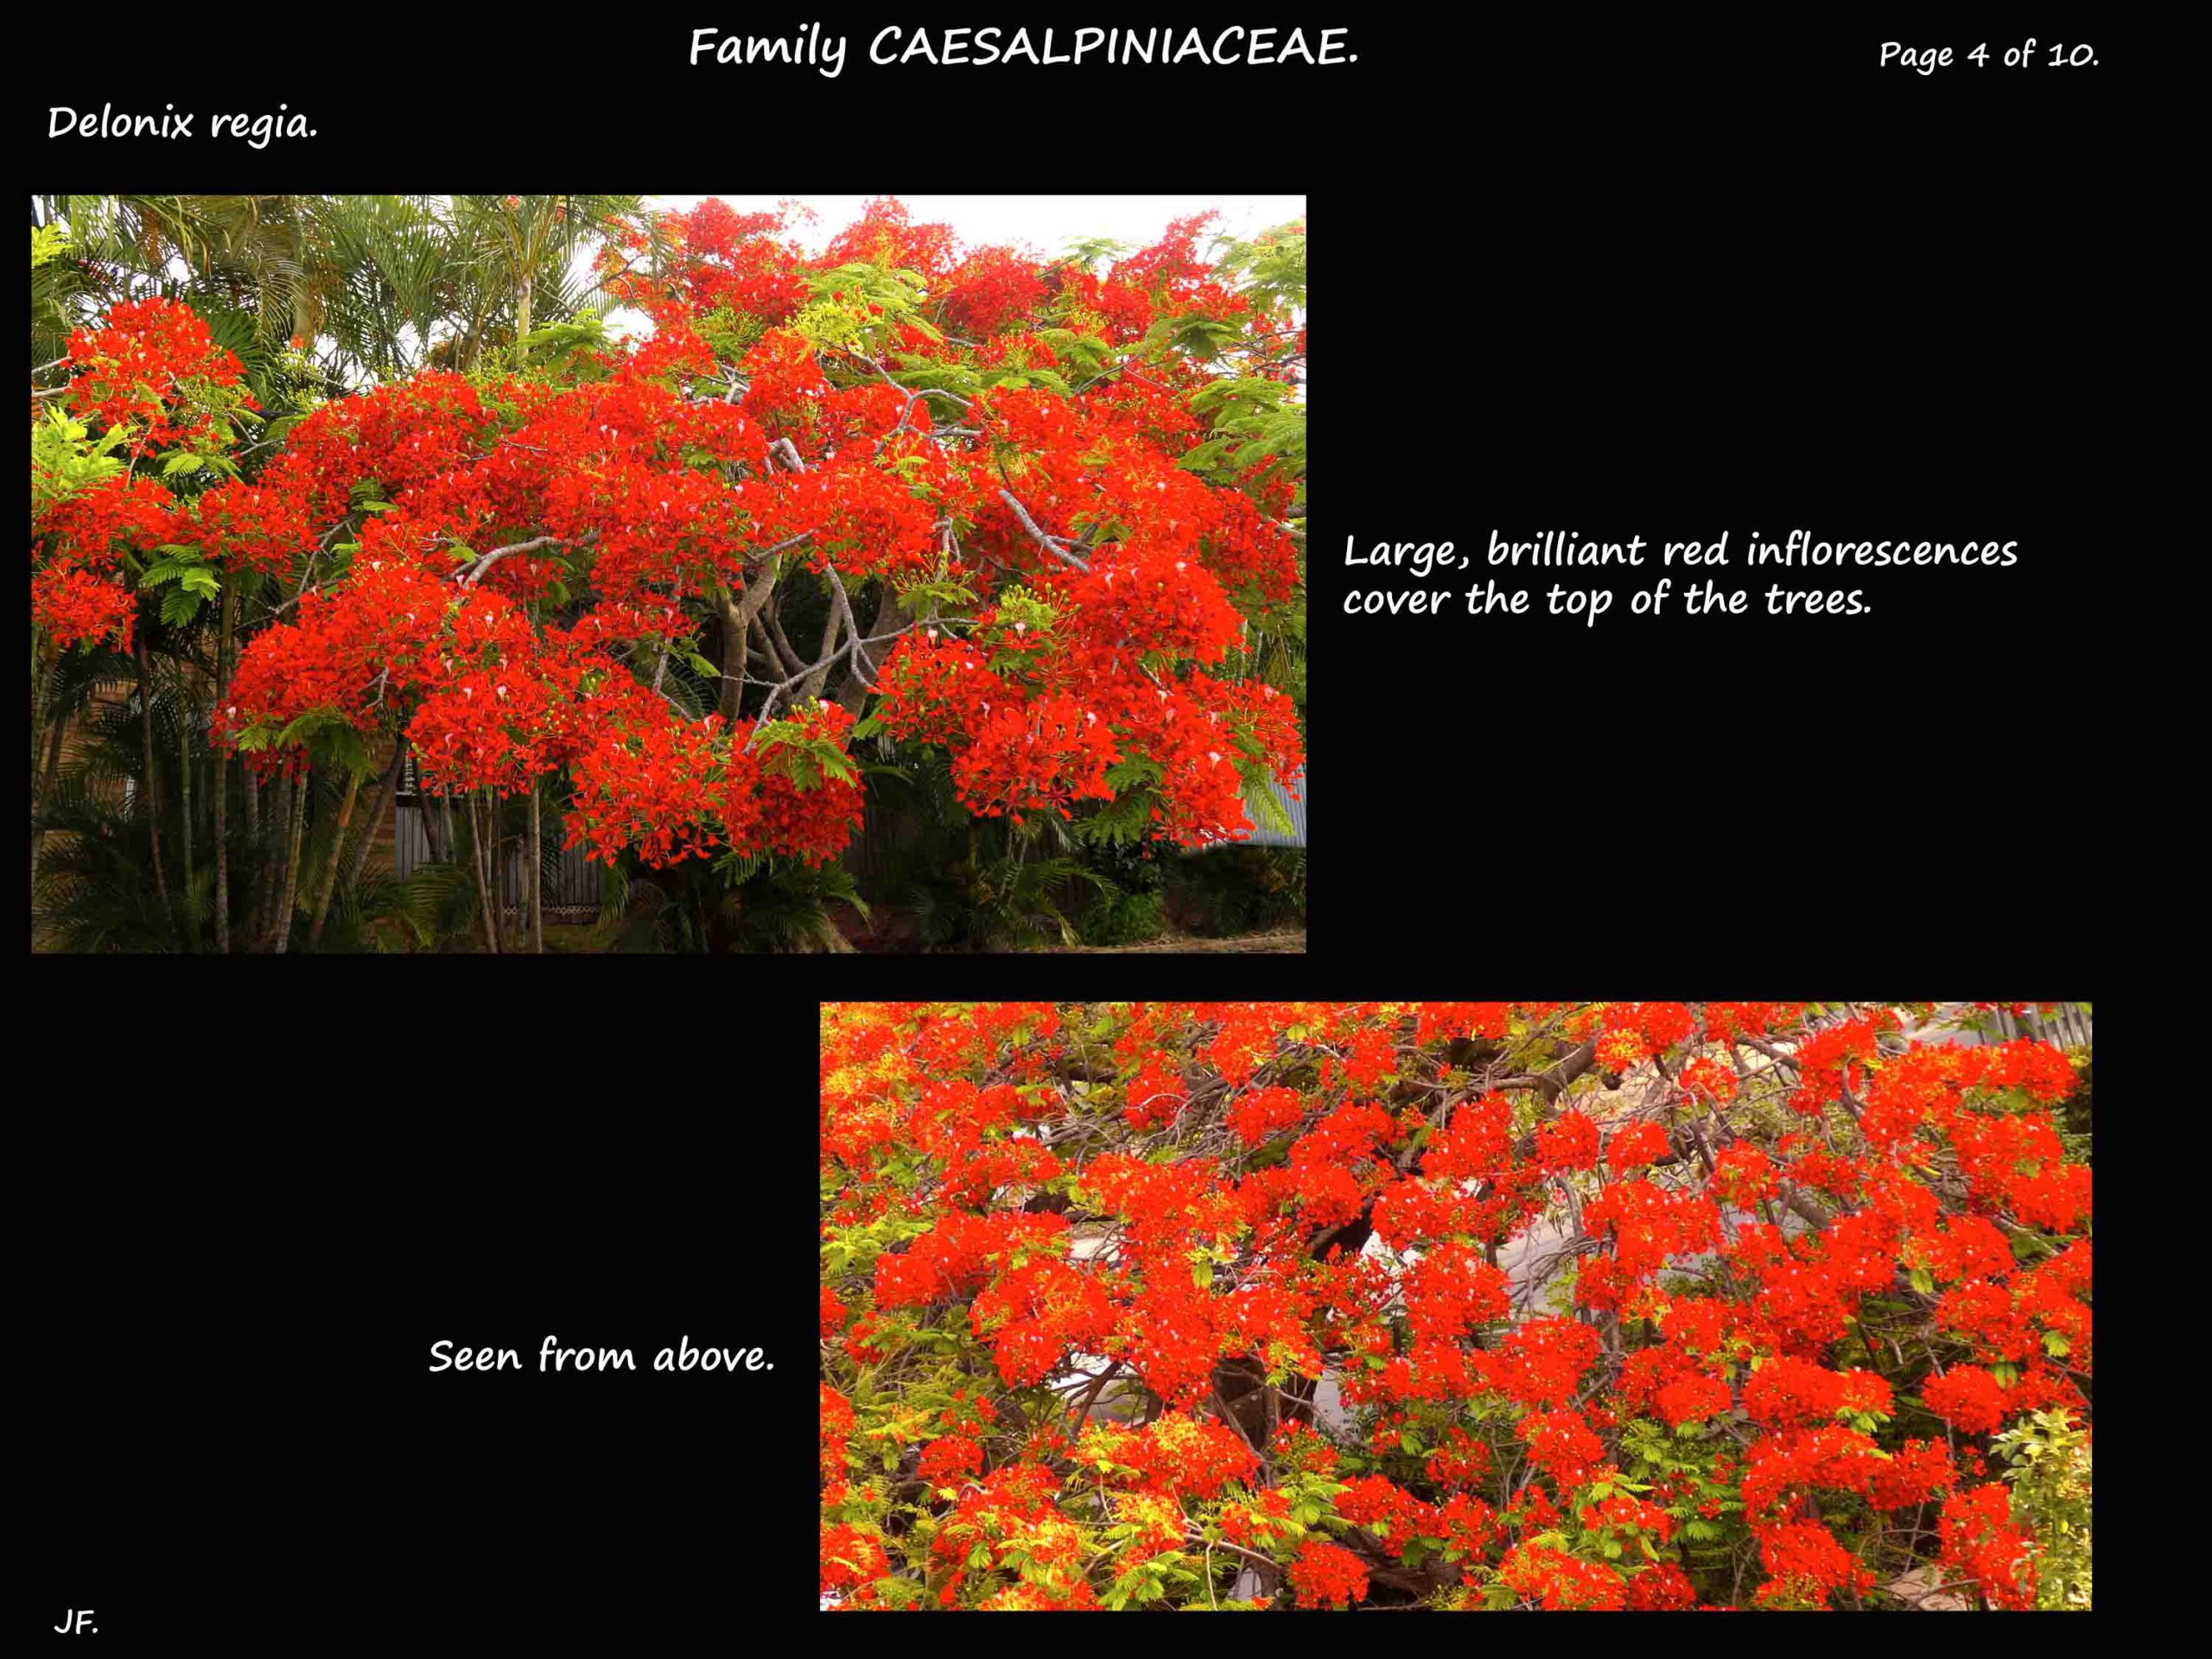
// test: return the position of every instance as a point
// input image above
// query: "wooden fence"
(572, 891)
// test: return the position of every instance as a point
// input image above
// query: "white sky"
(1046, 223)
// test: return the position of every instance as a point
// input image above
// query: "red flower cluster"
(79, 579)
(1980, 1538)
(1036, 757)
(1569, 1142)
(1785, 1392)
(1304, 1299)
(153, 367)
(1554, 1579)
(1968, 1397)
(1263, 1114)
(948, 1459)
(1327, 1575)
(937, 690)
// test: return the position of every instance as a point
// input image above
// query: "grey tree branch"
(1057, 546)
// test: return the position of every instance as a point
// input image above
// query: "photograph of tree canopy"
(598, 573)
(1456, 1305)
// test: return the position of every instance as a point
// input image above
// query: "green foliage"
(1272, 265)
(1196, 334)
(555, 346)
(329, 737)
(730, 335)
(918, 373)
(1263, 807)
(1253, 420)
(1017, 604)
(1082, 356)
(794, 908)
(1237, 889)
(924, 598)
(861, 308)
(1087, 251)
(2075, 1114)
(2051, 1480)
(196, 582)
(1114, 918)
(808, 761)
(434, 906)
(1017, 902)
(732, 904)
(1126, 820)
(95, 890)
(64, 458)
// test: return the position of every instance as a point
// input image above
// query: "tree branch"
(1053, 544)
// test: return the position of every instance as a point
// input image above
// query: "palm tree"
(526, 249)
(381, 285)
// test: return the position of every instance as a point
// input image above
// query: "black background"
(1656, 279)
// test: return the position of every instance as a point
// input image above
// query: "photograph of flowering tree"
(1477, 1305)
(513, 573)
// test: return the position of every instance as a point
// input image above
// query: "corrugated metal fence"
(1294, 809)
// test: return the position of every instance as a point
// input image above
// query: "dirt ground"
(1283, 941)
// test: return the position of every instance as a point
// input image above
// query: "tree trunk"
(302, 322)
(337, 851)
(54, 730)
(387, 792)
(483, 891)
(733, 687)
(222, 782)
(852, 691)
(42, 666)
(741, 620)
(499, 877)
(772, 614)
(511, 923)
(536, 877)
(152, 800)
(184, 795)
(832, 631)
(522, 315)
(268, 854)
(766, 646)
(300, 791)
(42, 661)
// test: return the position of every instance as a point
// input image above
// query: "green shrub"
(2049, 1475)
(1122, 918)
(1237, 890)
